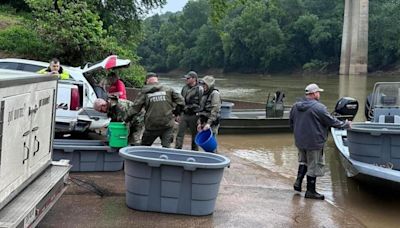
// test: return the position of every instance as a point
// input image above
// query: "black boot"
(300, 175)
(311, 193)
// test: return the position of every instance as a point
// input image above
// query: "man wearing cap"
(192, 93)
(161, 103)
(210, 106)
(310, 120)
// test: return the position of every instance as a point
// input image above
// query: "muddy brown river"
(375, 204)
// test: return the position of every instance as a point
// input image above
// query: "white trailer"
(30, 183)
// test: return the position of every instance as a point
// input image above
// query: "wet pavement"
(249, 196)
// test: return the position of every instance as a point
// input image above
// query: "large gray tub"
(87, 155)
(172, 180)
(375, 143)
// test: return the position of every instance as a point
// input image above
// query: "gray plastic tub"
(172, 180)
(87, 155)
(375, 143)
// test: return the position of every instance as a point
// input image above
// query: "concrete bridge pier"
(354, 54)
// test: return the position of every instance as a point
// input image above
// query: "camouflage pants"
(135, 134)
(166, 136)
(187, 121)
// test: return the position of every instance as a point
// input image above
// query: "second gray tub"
(172, 180)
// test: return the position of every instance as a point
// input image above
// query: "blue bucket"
(206, 140)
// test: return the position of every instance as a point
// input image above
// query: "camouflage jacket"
(160, 104)
(192, 96)
(210, 106)
(119, 112)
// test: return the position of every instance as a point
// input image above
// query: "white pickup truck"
(75, 97)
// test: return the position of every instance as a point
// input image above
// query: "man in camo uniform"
(117, 110)
(192, 93)
(161, 104)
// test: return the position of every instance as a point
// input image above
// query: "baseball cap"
(312, 88)
(191, 74)
(151, 74)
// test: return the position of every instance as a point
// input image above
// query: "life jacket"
(192, 96)
(206, 107)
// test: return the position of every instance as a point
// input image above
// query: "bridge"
(354, 53)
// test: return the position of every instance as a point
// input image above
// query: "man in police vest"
(55, 68)
(161, 104)
(192, 93)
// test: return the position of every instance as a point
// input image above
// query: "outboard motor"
(275, 106)
(346, 108)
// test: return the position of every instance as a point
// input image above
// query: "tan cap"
(208, 80)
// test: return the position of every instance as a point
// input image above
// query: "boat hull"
(253, 122)
(355, 168)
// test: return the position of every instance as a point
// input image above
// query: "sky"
(172, 6)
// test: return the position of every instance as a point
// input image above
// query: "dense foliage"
(233, 35)
(79, 31)
(264, 36)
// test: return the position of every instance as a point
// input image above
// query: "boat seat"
(388, 100)
(389, 119)
(386, 115)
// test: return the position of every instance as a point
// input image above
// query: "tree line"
(260, 36)
(250, 36)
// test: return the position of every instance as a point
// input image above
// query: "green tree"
(72, 27)
(384, 33)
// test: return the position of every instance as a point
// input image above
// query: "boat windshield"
(386, 95)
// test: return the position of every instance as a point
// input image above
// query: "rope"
(89, 185)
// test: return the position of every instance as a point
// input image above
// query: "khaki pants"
(314, 160)
(166, 136)
(187, 121)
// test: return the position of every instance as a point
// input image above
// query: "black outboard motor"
(346, 108)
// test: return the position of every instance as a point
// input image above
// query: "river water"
(375, 205)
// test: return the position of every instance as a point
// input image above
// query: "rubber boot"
(311, 193)
(300, 176)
